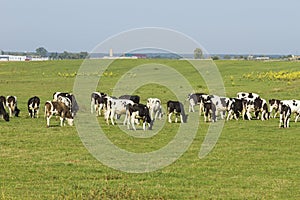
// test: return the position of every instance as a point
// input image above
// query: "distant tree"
(41, 51)
(215, 57)
(2, 52)
(198, 54)
(227, 57)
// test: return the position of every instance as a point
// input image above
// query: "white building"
(12, 58)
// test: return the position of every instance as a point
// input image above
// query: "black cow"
(134, 98)
(237, 108)
(140, 112)
(33, 106)
(176, 107)
(3, 112)
(11, 103)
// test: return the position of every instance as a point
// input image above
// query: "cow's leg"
(48, 120)
(176, 118)
(169, 118)
(200, 108)
(112, 114)
(133, 115)
(297, 116)
(62, 121)
(280, 120)
(181, 118)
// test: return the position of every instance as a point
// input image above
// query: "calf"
(285, 115)
(194, 99)
(140, 112)
(11, 103)
(134, 98)
(116, 107)
(98, 102)
(294, 105)
(3, 112)
(176, 107)
(33, 106)
(60, 109)
(155, 109)
(274, 104)
(69, 99)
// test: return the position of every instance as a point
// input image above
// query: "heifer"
(3, 112)
(285, 115)
(294, 105)
(117, 107)
(194, 99)
(33, 106)
(176, 107)
(98, 102)
(140, 112)
(11, 103)
(155, 108)
(274, 105)
(60, 109)
(134, 98)
(67, 98)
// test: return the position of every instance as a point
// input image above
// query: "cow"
(294, 105)
(67, 98)
(285, 115)
(134, 98)
(176, 107)
(209, 111)
(258, 105)
(155, 108)
(33, 106)
(98, 102)
(221, 104)
(274, 105)
(195, 99)
(140, 112)
(237, 108)
(3, 112)
(59, 109)
(11, 103)
(116, 107)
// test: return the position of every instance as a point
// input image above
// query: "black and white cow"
(33, 106)
(155, 108)
(285, 115)
(134, 98)
(294, 105)
(274, 105)
(209, 111)
(195, 99)
(11, 103)
(237, 108)
(69, 99)
(98, 102)
(140, 112)
(3, 113)
(221, 104)
(59, 109)
(258, 106)
(176, 107)
(116, 107)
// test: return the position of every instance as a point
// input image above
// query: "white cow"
(155, 108)
(117, 107)
(294, 105)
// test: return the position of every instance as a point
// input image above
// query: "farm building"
(12, 58)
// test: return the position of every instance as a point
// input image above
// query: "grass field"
(251, 160)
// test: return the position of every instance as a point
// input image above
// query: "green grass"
(252, 159)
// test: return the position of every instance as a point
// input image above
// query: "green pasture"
(251, 160)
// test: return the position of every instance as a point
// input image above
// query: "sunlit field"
(251, 160)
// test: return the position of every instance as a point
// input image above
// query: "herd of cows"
(245, 106)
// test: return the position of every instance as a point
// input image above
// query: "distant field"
(251, 160)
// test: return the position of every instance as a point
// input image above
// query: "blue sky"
(231, 26)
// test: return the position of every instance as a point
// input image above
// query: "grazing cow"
(274, 104)
(67, 98)
(98, 102)
(117, 107)
(134, 98)
(194, 99)
(209, 111)
(294, 105)
(33, 106)
(59, 109)
(285, 115)
(258, 105)
(11, 103)
(177, 108)
(221, 104)
(140, 112)
(237, 108)
(155, 109)
(3, 112)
